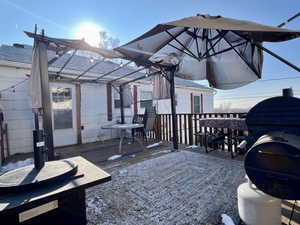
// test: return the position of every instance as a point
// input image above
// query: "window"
(197, 105)
(146, 99)
(62, 108)
(117, 101)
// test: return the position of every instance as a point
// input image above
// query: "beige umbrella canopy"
(39, 69)
(226, 52)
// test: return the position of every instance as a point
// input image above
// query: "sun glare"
(90, 33)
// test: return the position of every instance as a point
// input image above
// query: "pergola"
(61, 47)
(142, 50)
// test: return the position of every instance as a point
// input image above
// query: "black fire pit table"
(57, 202)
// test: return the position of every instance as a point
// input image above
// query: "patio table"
(228, 123)
(61, 202)
(123, 128)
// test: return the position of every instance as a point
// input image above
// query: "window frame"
(146, 102)
(117, 101)
(198, 103)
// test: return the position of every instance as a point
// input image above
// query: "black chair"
(211, 139)
(148, 120)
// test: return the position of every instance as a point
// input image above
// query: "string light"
(13, 87)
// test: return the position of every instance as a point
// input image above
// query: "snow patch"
(16, 165)
(227, 220)
(114, 157)
(163, 151)
(123, 171)
(154, 145)
(192, 146)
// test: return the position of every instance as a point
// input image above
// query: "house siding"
(183, 100)
(93, 108)
(17, 112)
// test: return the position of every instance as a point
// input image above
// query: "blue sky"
(128, 19)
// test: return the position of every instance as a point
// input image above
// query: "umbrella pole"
(122, 104)
(173, 108)
(47, 116)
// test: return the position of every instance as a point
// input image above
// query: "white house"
(80, 109)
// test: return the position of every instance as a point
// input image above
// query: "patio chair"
(211, 139)
(148, 121)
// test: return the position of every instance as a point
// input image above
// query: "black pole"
(173, 107)
(47, 114)
(122, 104)
(277, 56)
(289, 20)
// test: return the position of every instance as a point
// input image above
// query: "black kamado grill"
(273, 161)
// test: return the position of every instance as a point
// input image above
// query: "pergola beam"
(140, 78)
(127, 75)
(114, 70)
(66, 63)
(88, 69)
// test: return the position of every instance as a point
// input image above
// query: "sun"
(90, 33)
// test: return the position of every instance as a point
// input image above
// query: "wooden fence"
(188, 125)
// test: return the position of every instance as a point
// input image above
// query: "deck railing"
(188, 125)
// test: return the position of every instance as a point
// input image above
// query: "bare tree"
(107, 41)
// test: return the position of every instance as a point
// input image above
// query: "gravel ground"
(177, 188)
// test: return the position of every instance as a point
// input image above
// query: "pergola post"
(173, 107)
(121, 90)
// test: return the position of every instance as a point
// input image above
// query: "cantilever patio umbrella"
(226, 52)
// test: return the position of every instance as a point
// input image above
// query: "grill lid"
(274, 114)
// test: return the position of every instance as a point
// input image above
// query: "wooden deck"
(99, 152)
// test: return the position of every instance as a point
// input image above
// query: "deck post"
(122, 104)
(173, 107)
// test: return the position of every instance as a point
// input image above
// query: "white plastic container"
(257, 208)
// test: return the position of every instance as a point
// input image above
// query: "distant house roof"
(23, 54)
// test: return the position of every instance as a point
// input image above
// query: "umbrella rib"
(182, 45)
(271, 53)
(197, 44)
(114, 70)
(226, 50)
(68, 60)
(88, 69)
(204, 55)
(241, 56)
(183, 51)
(163, 44)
